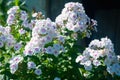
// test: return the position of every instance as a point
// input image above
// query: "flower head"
(14, 62)
(13, 10)
(38, 72)
(74, 18)
(31, 65)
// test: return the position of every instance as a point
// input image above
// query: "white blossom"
(34, 14)
(17, 46)
(13, 68)
(11, 19)
(23, 16)
(38, 72)
(31, 65)
(79, 58)
(16, 59)
(22, 31)
(96, 63)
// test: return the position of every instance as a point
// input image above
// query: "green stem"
(17, 2)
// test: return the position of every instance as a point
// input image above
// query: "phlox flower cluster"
(44, 32)
(74, 18)
(32, 65)
(11, 15)
(14, 63)
(6, 39)
(100, 52)
(15, 15)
